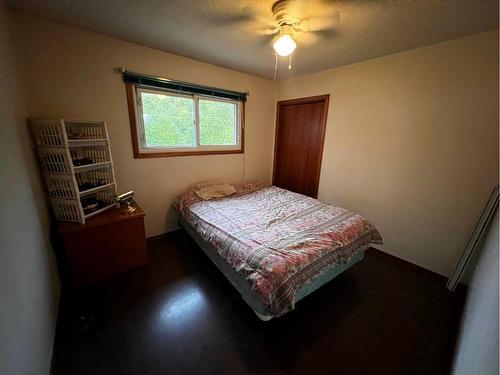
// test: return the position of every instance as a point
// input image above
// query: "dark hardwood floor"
(179, 315)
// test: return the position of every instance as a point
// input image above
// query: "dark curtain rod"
(181, 87)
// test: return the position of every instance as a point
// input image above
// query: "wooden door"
(298, 150)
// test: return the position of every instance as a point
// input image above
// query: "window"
(168, 123)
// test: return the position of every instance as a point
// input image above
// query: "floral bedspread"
(276, 239)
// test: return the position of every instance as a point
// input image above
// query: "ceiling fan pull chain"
(275, 66)
(290, 63)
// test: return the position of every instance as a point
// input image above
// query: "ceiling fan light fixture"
(285, 45)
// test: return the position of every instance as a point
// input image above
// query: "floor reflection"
(182, 306)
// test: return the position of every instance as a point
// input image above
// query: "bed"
(273, 245)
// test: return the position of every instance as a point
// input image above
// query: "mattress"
(243, 287)
(279, 243)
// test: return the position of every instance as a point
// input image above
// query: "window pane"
(217, 122)
(168, 120)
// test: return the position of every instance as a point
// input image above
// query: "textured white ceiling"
(229, 33)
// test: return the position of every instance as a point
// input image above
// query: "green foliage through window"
(217, 122)
(170, 121)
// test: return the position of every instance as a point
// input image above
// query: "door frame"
(310, 99)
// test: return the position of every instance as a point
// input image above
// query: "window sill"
(167, 154)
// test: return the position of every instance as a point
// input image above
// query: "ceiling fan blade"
(309, 38)
(269, 31)
(229, 19)
(306, 39)
(267, 39)
(317, 23)
(326, 33)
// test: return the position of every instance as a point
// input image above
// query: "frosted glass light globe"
(285, 45)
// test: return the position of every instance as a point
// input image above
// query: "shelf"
(88, 167)
(59, 142)
(99, 211)
(87, 142)
(93, 190)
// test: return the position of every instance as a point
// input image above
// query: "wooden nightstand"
(107, 244)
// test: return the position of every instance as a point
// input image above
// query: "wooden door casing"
(299, 139)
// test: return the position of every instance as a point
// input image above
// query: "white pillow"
(209, 190)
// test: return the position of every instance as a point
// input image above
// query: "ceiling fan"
(293, 23)
(287, 20)
(293, 18)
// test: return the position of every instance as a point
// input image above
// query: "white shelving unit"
(77, 166)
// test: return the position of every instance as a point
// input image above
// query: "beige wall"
(69, 73)
(29, 287)
(412, 143)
